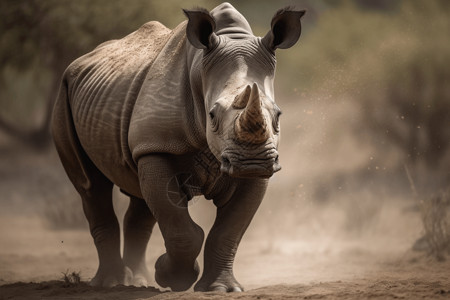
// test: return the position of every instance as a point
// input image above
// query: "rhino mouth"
(250, 165)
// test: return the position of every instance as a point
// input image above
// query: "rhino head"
(237, 72)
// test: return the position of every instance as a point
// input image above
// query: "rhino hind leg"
(104, 227)
(138, 226)
(96, 194)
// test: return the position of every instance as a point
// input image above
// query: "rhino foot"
(110, 278)
(173, 275)
(223, 283)
(141, 277)
(139, 281)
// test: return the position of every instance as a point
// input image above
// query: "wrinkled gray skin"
(167, 115)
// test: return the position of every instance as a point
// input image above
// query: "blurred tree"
(43, 37)
(383, 5)
(414, 84)
(394, 67)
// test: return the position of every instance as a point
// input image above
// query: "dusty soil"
(308, 253)
(33, 258)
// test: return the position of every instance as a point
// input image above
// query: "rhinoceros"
(166, 115)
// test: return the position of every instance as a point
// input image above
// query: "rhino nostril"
(225, 161)
(276, 159)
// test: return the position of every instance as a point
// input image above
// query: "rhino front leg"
(138, 226)
(223, 240)
(178, 267)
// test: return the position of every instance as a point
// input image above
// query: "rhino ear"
(200, 29)
(286, 29)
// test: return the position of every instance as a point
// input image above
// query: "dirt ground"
(306, 254)
(33, 258)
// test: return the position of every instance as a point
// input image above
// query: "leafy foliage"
(57, 31)
(393, 66)
(39, 40)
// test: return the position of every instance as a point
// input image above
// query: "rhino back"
(103, 86)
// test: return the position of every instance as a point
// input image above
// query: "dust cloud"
(316, 228)
(364, 147)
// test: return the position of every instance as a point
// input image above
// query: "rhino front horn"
(251, 126)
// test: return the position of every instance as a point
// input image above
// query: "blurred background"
(365, 145)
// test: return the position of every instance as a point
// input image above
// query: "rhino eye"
(214, 121)
(276, 121)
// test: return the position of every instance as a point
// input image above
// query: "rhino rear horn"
(251, 126)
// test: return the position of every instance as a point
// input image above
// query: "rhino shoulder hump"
(138, 48)
(154, 26)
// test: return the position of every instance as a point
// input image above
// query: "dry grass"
(436, 223)
(71, 278)
(435, 216)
